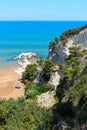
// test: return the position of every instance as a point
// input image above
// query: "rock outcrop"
(60, 53)
(80, 38)
(46, 100)
(24, 58)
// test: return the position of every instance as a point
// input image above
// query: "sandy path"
(8, 81)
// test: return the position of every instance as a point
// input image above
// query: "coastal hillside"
(55, 95)
(72, 90)
(59, 49)
(69, 54)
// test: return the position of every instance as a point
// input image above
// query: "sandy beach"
(8, 81)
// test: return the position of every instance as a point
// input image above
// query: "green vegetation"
(40, 62)
(23, 115)
(29, 73)
(71, 94)
(69, 33)
(72, 32)
(54, 43)
(31, 90)
(65, 35)
(56, 40)
(47, 69)
(72, 90)
(63, 39)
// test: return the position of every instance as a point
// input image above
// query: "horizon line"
(43, 20)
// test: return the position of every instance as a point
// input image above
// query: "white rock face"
(80, 38)
(37, 77)
(46, 100)
(55, 77)
(23, 58)
(60, 53)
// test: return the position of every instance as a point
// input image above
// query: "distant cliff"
(60, 51)
(71, 37)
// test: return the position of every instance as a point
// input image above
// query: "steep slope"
(59, 52)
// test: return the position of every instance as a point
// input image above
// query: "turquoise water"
(18, 37)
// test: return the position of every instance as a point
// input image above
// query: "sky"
(44, 10)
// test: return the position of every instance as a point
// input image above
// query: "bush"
(40, 62)
(71, 32)
(47, 69)
(26, 115)
(32, 91)
(42, 88)
(52, 45)
(56, 40)
(29, 73)
(72, 90)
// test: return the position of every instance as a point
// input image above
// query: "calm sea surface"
(18, 37)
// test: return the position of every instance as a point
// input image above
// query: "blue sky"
(43, 10)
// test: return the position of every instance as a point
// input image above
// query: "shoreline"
(8, 82)
(10, 85)
(7, 66)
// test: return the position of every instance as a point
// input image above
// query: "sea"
(30, 36)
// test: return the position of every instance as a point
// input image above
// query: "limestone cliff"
(80, 38)
(59, 53)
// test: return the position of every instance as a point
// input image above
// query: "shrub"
(56, 40)
(29, 73)
(40, 62)
(47, 69)
(52, 45)
(32, 91)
